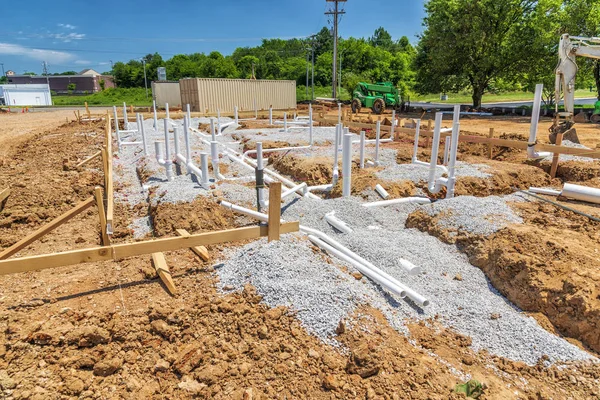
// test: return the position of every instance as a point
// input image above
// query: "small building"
(10, 73)
(25, 95)
(212, 94)
(86, 82)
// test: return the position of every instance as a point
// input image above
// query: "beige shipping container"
(166, 92)
(210, 94)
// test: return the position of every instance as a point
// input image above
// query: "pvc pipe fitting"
(337, 223)
(377, 142)
(382, 192)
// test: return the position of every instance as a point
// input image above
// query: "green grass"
(320, 91)
(465, 97)
(108, 97)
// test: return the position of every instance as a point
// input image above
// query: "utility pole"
(145, 80)
(45, 66)
(313, 71)
(336, 13)
(3, 74)
(307, 54)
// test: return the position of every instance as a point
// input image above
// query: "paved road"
(508, 104)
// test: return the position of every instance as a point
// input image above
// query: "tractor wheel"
(595, 118)
(356, 106)
(378, 106)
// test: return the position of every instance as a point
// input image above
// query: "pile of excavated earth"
(512, 283)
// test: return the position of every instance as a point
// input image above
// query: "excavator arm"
(569, 48)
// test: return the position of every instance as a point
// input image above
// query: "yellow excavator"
(569, 48)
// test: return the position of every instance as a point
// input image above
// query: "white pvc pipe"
(143, 132)
(125, 119)
(549, 192)
(155, 116)
(214, 153)
(360, 267)
(337, 223)
(377, 142)
(362, 149)
(319, 188)
(167, 110)
(382, 192)
(409, 267)
(310, 129)
(235, 115)
(582, 193)
(535, 119)
(189, 114)
(447, 141)
(339, 113)
(163, 161)
(432, 186)
(453, 150)
(336, 173)
(416, 144)
(405, 200)
(270, 115)
(117, 131)
(260, 167)
(347, 165)
(246, 211)
(176, 139)
(285, 125)
(293, 190)
(204, 166)
(212, 130)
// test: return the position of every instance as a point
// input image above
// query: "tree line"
(482, 46)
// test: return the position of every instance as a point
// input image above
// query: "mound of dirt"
(547, 265)
(574, 171)
(200, 215)
(314, 171)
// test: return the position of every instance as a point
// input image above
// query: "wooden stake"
(90, 158)
(490, 145)
(101, 215)
(162, 269)
(55, 223)
(274, 210)
(87, 110)
(201, 251)
(120, 251)
(556, 156)
(109, 190)
(4, 193)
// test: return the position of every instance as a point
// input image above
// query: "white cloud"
(68, 37)
(67, 26)
(103, 63)
(83, 62)
(50, 56)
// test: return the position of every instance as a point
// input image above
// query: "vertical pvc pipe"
(189, 113)
(214, 152)
(310, 125)
(344, 131)
(167, 109)
(176, 140)
(155, 116)
(117, 131)
(285, 122)
(336, 152)
(362, 149)
(204, 167)
(235, 112)
(453, 151)
(535, 119)
(416, 145)
(339, 113)
(137, 122)
(447, 141)
(186, 135)
(168, 161)
(270, 115)
(143, 131)
(125, 119)
(347, 165)
(393, 130)
(435, 146)
(377, 143)
(260, 167)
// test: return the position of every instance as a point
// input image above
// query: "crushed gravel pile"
(420, 173)
(568, 157)
(321, 135)
(290, 274)
(476, 215)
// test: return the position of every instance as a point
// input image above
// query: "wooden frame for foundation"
(121, 251)
(4, 193)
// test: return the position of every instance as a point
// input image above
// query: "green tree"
(468, 44)
(102, 84)
(382, 38)
(71, 87)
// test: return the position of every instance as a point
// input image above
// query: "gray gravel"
(321, 135)
(420, 173)
(289, 274)
(568, 157)
(141, 227)
(476, 215)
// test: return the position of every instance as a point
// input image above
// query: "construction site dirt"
(110, 329)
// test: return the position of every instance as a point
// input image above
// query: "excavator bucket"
(567, 129)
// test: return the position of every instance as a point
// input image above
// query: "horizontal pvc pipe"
(243, 210)
(319, 188)
(382, 192)
(293, 190)
(363, 270)
(583, 193)
(414, 200)
(337, 223)
(549, 192)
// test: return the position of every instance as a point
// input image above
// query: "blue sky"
(73, 35)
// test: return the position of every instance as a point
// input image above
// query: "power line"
(336, 12)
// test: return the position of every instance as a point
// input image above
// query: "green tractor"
(376, 96)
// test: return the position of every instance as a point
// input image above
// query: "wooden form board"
(518, 144)
(55, 223)
(109, 189)
(90, 158)
(101, 215)
(120, 251)
(4, 193)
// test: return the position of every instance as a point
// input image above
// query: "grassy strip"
(108, 97)
(490, 98)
